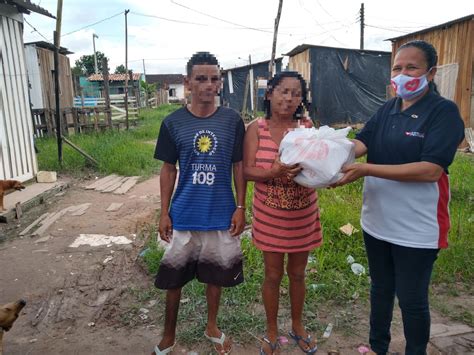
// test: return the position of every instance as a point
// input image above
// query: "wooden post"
(275, 35)
(96, 119)
(362, 24)
(105, 76)
(75, 117)
(246, 94)
(126, 70)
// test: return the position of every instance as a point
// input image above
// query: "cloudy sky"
(166, 32)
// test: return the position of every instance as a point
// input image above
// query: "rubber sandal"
(219, 341)
(157, 350)
(273, 346)
(307, 341)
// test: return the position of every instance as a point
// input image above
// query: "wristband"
(241, 207)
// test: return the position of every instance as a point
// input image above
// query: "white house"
(174, 83)
(17, 153)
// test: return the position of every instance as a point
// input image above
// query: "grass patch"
(330, 281)
(123, 152)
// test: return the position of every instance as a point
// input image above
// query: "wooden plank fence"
(87, 119)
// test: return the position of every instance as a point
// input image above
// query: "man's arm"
(167, 181)
(238, 218)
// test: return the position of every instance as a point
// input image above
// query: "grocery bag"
(320, 152)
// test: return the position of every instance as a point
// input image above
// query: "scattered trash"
(350, 259)
(348, 229)
(143, 316)
(355, 295)
(311, 259)
(192, 353)
(95, 240)
(362, 349)
(185, 300)
(283, 340)
(358, 269)
(43, 239)
(33, 340)
(317, 286)
(144, 252)
(151, 303)
(91, 324)
(328, 331)
(107, 259)
(143, 310)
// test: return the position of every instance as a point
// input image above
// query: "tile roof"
(114, 77)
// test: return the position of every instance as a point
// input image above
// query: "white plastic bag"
(320, 152)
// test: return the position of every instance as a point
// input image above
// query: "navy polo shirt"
(413, 214)
(430, 130)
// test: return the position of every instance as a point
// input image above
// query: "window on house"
(172, 92)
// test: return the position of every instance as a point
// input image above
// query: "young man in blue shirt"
(202, 223)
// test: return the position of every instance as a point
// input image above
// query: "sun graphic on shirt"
(204, 144)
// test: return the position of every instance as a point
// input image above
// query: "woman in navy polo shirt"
(410, 143)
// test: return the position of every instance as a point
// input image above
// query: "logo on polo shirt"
(205, 142)
(415, 134)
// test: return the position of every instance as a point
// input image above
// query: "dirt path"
(76, 296)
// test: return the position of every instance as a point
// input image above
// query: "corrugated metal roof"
(113, 77)
(437, 27)
(303, 47)
(50, 46)
(26, 6)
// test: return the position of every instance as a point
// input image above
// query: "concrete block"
(46, 176)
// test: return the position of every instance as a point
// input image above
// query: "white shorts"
(213, 257)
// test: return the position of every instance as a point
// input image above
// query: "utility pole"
(57, 36)
(144, 71)
(94, 36)
(126, 70)
(362, 25)
(271, 67)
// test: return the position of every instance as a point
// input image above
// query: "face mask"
(409, 87)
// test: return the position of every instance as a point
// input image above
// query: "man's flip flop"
(157, 350)
(307, 341)
(219, 341)
(273, 346)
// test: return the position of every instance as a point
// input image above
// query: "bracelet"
(241, 207)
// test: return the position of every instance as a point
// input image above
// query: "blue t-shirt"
(412, 214)
(206, 149)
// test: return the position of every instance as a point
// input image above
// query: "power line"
(388, 29)
(92, 24)
(35, 30)
(317, 23)
(171, 20)
(137, 60)
(221, 19)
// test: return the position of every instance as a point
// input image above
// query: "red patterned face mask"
(409, 87)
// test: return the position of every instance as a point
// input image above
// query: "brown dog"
(6, 185)
(8, 315)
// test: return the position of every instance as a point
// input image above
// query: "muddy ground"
(77, 298)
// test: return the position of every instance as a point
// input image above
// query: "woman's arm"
(411, 172)
(360, 148)
(253, 173)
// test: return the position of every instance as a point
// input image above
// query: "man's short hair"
(200, 58)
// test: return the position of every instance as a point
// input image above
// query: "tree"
(120, 69)
(149, 89)
(85, 64)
